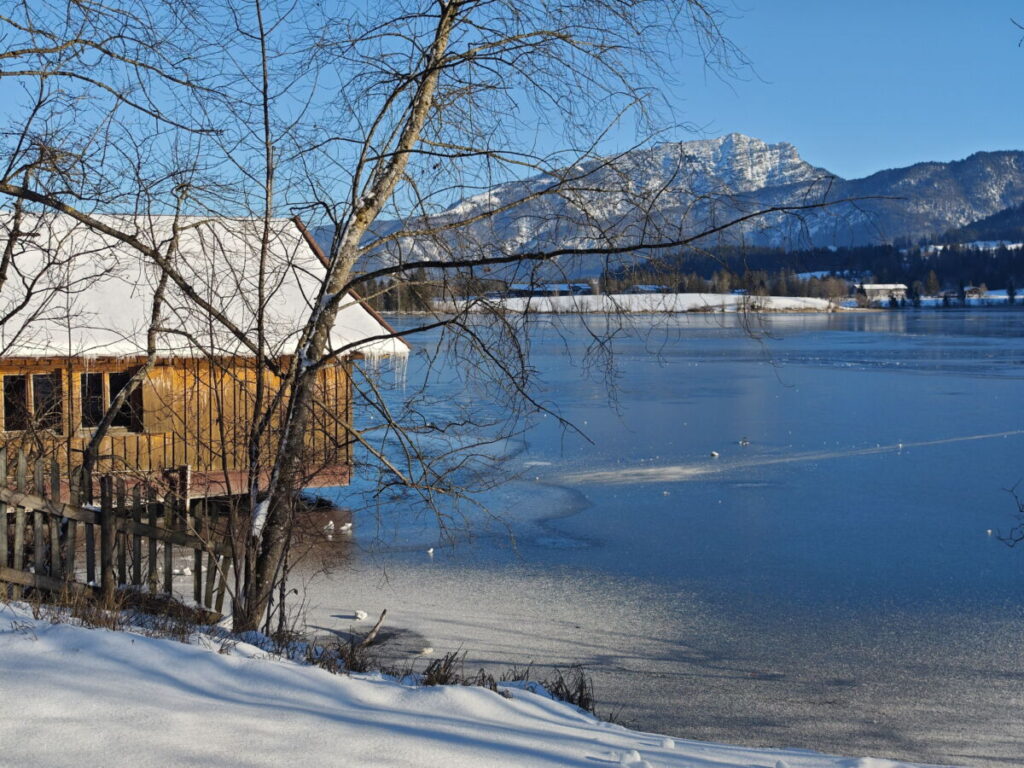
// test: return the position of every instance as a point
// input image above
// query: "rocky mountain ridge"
(670, 191)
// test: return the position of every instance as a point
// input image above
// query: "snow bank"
(651, 303)
(71, 696)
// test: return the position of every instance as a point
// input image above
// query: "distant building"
(877, 293)
(527, 290)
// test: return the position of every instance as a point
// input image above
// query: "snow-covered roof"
(883, 286)
(88, 294)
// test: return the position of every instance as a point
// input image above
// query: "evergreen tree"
(914, 292)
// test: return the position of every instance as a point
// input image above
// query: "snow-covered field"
(658, 302)
(71, 696)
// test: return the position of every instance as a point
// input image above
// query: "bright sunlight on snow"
(71, 696)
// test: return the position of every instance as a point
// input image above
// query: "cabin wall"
(194, 412)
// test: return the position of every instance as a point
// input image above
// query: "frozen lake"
(828, 581)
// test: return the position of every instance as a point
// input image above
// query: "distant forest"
(928, 268)
(945, 262)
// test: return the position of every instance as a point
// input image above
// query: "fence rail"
(142, 538)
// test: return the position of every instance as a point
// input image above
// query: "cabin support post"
(108, 535)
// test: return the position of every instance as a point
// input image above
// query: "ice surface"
(819, 587)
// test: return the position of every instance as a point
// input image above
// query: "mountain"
(1006, 225)
(686, 187)
(930, 198)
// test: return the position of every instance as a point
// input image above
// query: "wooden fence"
(137, 538)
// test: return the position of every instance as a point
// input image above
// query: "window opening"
(16, 415)
(47, 400)
(92, 399)
(95, 400)
(129, 415)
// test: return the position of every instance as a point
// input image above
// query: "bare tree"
(1015, 535)
(372, 124)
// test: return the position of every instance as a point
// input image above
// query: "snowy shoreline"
(218, 701)
(658, 303)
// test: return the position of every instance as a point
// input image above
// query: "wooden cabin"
(83, 337)
(882, 293)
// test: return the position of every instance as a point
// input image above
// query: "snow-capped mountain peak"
(742, 163)
(671, 191)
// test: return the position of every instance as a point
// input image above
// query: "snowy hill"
(926, 199)
(1006, 225)
(71, 696)
(684, 187)
(657, 303)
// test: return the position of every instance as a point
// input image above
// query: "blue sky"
(859, 87)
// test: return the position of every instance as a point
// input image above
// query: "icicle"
(385, 349)
(400, 369)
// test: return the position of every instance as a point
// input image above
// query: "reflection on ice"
(513, 513)
(685, 472)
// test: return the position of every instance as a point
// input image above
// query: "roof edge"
(322, 257)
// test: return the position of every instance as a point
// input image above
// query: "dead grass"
(128, 609)
(82, 606)
(573, 685)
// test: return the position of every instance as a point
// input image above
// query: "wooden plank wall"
(195, 412)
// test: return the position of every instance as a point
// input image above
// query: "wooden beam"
(49, 506)
(41, 581)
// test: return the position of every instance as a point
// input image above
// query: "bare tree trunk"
(315, 339)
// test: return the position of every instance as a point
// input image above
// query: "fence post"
(3, 517)
(226, 564)
(213, 560)
(18, 560)
(121, 505)
(201, 530)
(169, 524)
(85, 497)
(57, 524)
(39, 523)
(136, 539)
(108, 533)
(151, 576)
(75, 497)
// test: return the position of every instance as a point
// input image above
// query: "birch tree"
(370, 122)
